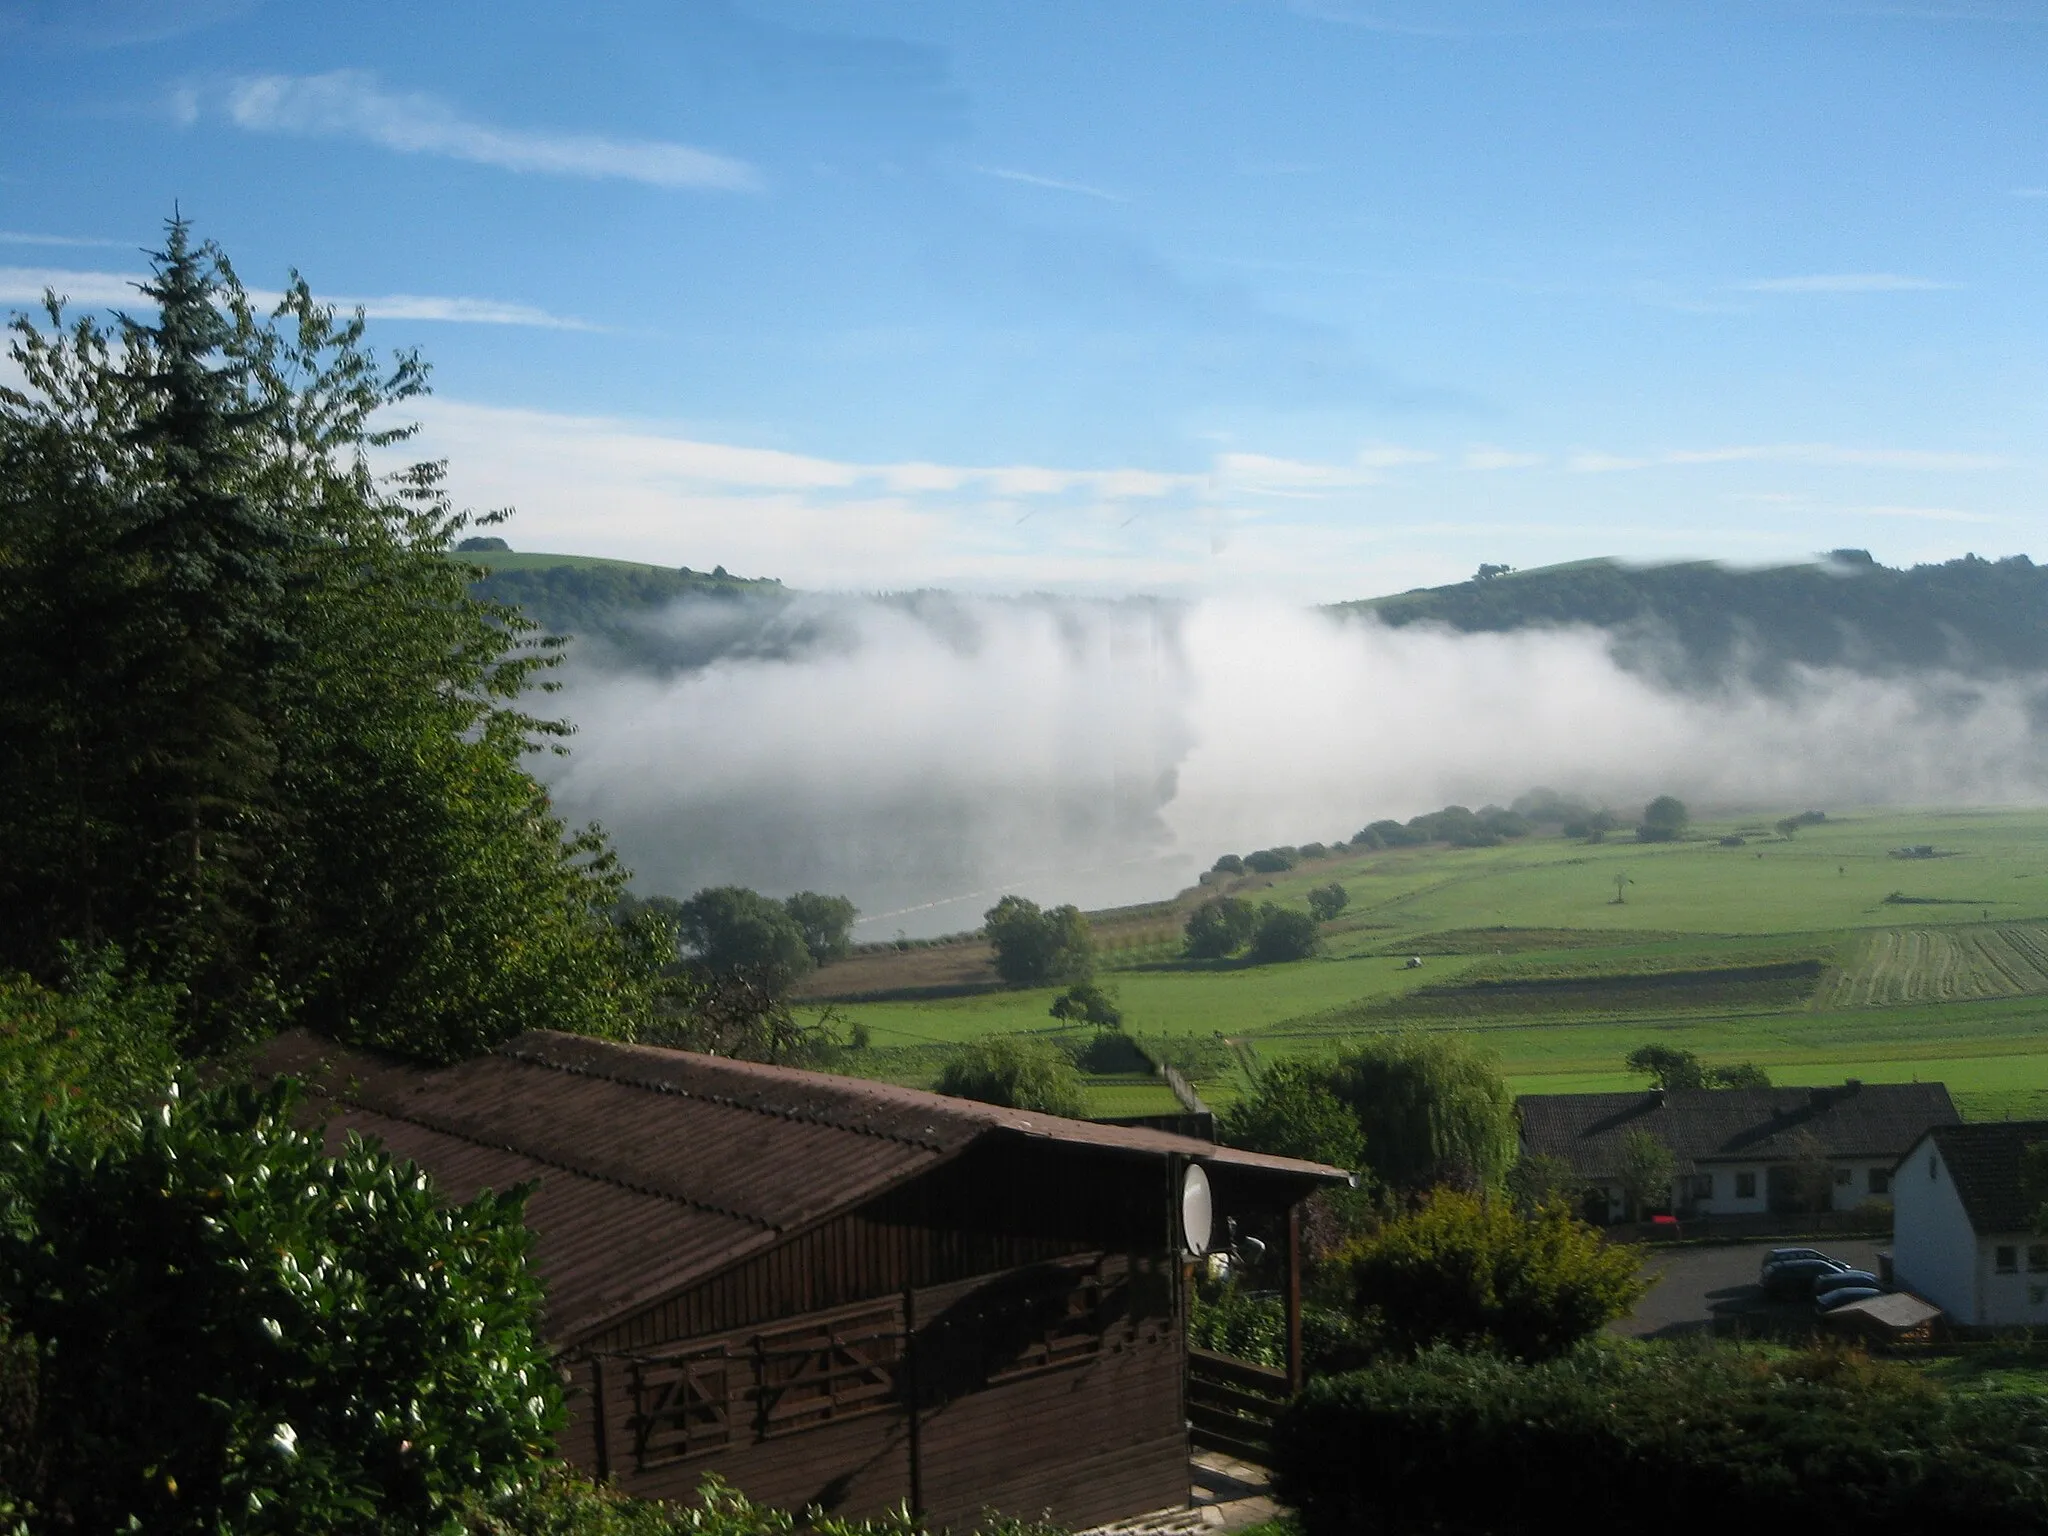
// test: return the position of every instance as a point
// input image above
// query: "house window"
(1703, 1186)
(1880, 1181)
(1745, 1186)
(1841, 1178)
(2006, 1259)
(2037, 1257)
(2037, 1294)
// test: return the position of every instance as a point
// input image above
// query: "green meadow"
(1820, 956)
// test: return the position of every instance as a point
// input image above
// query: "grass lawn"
(1782, 952)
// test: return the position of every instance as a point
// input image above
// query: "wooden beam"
(1297, 1372)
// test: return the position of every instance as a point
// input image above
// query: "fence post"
(1296, 1370)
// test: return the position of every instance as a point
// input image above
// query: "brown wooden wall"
(1051, 1387)
(1005, 1332)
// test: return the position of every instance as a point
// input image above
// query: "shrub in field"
(1086, 1003)
(1220, 928)
(1464, 1271)
(1684, 1441)
(1229, 864)
(238, 1333)
(1016, 1073)
(1326, 901)
(1284, 934)
(1272, 861)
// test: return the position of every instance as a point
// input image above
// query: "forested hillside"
(1698, 622)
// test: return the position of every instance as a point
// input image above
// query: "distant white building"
(1963, 1231)
(1739, 1151)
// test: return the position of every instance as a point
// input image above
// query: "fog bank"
(924, 756)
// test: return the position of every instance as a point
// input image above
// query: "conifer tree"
(262, 737)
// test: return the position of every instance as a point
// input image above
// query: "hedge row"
(1675, 1441)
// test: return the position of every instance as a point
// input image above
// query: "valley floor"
(1885, 945)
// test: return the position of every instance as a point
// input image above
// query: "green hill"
(605, 600)
(1698, 621)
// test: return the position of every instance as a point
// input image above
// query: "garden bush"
(235, 1332)
(1467, 1271)
(1678, 1440)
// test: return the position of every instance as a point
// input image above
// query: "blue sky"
(1316, 299)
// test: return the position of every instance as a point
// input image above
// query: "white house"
(1740, 1151)
(1963, 1230)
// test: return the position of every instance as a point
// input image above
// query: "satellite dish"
(1197, 1210)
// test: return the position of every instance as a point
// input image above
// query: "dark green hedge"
(1673, 1441)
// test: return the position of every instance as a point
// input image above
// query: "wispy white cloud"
(21, 237)
(26, 286)
(1051, 183)
(1828, 454)
(350, 103)
(1385, 457)
(1927, 514)
(1500, 458)
(1261, 474)
(1846, 282)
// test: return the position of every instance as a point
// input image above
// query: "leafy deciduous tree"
(826, 923)
(729, 929)
(1434, 1109)
(1291, 1112)
(1647, 1169)
(1035, 946)
(1220, 927)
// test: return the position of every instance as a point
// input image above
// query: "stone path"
(1227, 1495)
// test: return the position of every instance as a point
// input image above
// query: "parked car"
(1822, 1284)
(1784, 1255)
(1794, 1277)
(1841, 1296)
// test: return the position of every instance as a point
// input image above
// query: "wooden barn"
(828, 1290)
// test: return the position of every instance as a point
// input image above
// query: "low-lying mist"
(925, 755)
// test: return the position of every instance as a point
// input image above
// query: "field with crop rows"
(1919, 965)
(1820, 957)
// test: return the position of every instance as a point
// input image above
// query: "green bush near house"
(1665, 1439)
(1466, 1271)
(234, 1332)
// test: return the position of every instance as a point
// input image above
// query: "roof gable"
(1984, 1162)
(1707, 1125)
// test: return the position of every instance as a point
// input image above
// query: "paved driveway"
(1696, 1286)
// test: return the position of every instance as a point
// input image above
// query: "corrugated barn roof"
(658, 1168)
